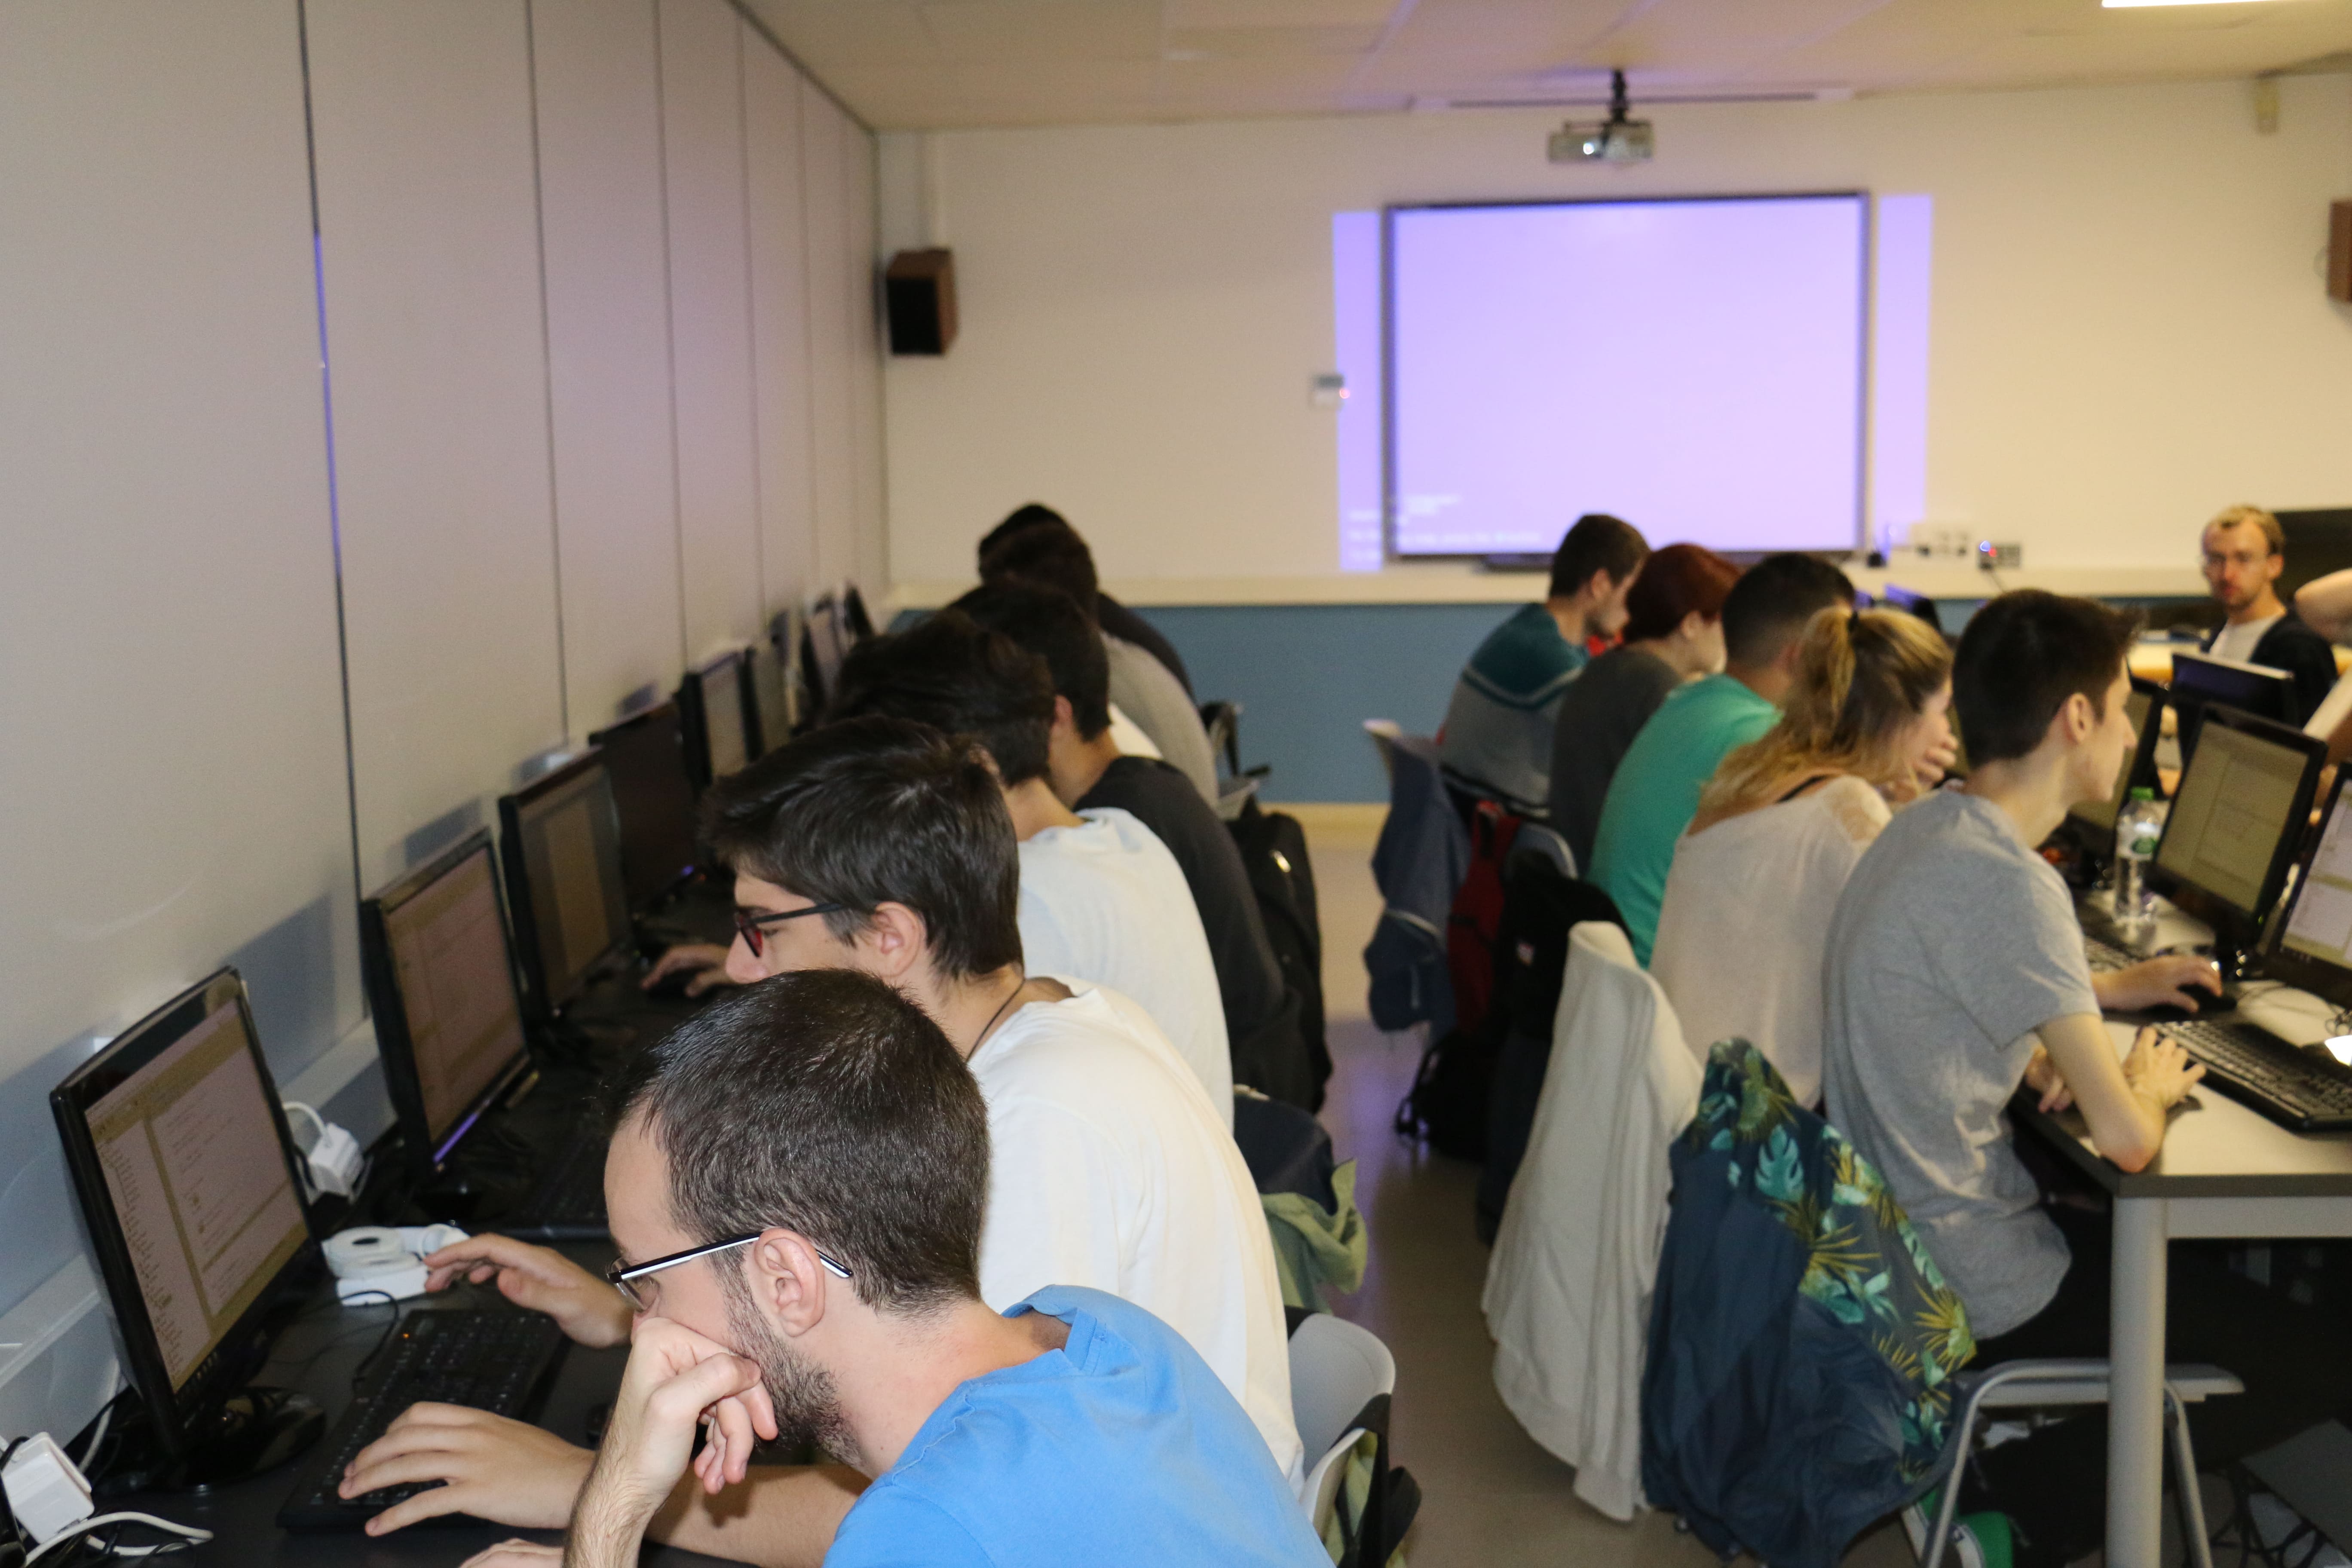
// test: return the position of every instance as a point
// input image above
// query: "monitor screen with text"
(2236, 803)
(456, 988)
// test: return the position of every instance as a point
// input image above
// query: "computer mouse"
(2209, 1005)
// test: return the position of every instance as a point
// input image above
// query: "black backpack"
(1274, 852)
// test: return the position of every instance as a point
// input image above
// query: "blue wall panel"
(1308, 676)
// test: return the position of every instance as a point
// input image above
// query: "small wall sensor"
(1329, 392)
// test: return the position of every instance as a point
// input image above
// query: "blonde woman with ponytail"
(1865, 730)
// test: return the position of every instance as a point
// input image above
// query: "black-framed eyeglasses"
(623, 1277)
(753, 928)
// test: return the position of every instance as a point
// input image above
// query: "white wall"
(2128, 326)
(546, 234)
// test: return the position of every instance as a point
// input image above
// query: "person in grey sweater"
(1674, 630)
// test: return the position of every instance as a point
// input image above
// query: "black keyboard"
(496, 1360)
(568, 1205)
(2292, 1087)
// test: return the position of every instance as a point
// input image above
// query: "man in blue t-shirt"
(796, 1187)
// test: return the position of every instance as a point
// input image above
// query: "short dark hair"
(961, 679)
(1050, 555)
(1049, 624)
(875, 811)
(1768, 607)
(2022, 656)
(828, 1103)
(1596, 542)
(1034, 514)
(1676, 582)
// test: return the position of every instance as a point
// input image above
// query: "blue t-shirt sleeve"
(892, 1527)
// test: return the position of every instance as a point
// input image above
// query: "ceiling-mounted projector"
(1620, 139)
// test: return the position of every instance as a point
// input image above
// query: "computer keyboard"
(498, 1359)
(568, 1205)
(2105, 957)
(2292, 1087)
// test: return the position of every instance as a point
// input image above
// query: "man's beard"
(807, 1406)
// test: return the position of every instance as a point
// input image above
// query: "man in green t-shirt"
(1655, 789)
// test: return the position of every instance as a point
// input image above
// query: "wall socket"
(1995, 557)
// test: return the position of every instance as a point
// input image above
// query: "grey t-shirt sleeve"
(2013, 965)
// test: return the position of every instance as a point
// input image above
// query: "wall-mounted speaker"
(919, 289)
(2339, 252)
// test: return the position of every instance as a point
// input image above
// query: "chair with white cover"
(1340, 1380)
(1576, 1260)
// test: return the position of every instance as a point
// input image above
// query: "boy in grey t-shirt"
(1954, 973)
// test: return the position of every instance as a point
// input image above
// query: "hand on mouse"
(704, 965)
(2176, 980)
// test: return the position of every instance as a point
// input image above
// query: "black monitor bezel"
(173, 1412)
(2290, 845)
(539, 997)
(769, 651)
(623, 734)
(697, 722)
(2141, 772)
(395, 1048)
(2193, 705)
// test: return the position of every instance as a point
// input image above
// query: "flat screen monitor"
(1694, 366)
(441, 982)
(2238, 817)
(2319, 919)
(560, 839)
(825, 643)
(2200, 681)
(711, 701)
(185, 1173)
(2318, 541)
(771, 700)
(2145, 707)
(653, 793)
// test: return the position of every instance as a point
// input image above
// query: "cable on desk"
(186, 1536)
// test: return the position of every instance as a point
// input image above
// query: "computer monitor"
(645, 757)
(2318, 926)
(1911, 602)
(825, 643)
(441, 982)
(2237, 820)
(712, 699)
(2318, 541)
(2200, 681)
(185, 1173)
(772, 702)
(2145, 705)
(559, 842)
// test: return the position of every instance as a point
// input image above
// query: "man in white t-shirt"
(878, 845)
(1101, 898)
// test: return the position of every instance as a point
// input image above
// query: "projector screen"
(1691, 366)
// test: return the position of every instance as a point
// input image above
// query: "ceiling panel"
(939, 64)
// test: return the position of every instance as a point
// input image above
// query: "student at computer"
(1145, 685)
(821, 1131)
(1088, 773)
(2244, 551)
(878, 845)
(1655, 788)
(1780, 826)
(1101, 898)
(1956, 971)
(1115, 618)
(1674, 633)
(1497, 739)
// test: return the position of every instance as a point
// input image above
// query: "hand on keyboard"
(2161, 1069)
(505, 1471)
(2175, 980)
(588, 1311)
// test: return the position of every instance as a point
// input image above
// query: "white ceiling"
(939, 64)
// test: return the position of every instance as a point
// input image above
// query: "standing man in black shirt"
(1086, 771)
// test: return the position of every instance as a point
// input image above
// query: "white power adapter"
(332, 1154)
(47, 1491)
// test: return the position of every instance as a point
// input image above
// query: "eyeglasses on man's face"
(624, 1276)
(753, 927)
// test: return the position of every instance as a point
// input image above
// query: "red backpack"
(1476, 916)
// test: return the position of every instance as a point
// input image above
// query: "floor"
(1491, 1497)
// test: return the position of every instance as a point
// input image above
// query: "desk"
(2225, 1171)
(318, 1355)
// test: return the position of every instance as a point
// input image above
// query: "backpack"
(1474, 922)
(1274, 853)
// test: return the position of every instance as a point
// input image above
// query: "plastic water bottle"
(2139, 828)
